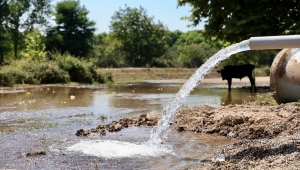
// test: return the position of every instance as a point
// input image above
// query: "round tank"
(285, 75)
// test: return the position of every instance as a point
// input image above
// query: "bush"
(63, 69)
(10, 75)
(49, 73)
(79, 70)
(107, 77)
(264, 71)
(27, 72)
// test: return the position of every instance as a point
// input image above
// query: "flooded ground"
(38, 123)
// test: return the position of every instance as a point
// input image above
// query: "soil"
(268, 136)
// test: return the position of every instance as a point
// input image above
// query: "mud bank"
(269, 136)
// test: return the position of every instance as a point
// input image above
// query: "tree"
(24, 15)
(237, 20)
(141, 39)
(73, 30)
(194, 55)
(194, 49)
(172, 37)
(4, 12)
(35, 47)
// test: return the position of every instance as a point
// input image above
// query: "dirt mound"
(269, 135)
(241, 121)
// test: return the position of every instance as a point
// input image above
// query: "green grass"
(102, 118)
(264, 99)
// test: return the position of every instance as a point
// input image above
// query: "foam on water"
(159, 133)
(117, 149)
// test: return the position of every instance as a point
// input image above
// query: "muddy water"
(38, 123)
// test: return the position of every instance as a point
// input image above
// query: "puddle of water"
(50, 122)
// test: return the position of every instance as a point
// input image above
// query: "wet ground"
(38, 123)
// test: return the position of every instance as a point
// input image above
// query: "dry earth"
(268, 136)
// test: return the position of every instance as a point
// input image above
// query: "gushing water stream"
(154, 147)
(159, 133)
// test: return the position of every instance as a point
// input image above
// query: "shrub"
(28, 72)
(50, 73)
(108, 77)
(10, 75)
(98, 77)
(78, 70)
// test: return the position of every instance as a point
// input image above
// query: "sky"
(165, 11)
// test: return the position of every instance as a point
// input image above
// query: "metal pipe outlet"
(274, 42)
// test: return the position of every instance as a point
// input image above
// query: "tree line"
(134, 40)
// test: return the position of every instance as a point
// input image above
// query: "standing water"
(159, 133)
(153, 147)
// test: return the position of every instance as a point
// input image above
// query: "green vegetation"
(102, 118)
(82, 115)
(72, 31)
(140, 39)
(265, 99)
(235, 21)
(34, 52)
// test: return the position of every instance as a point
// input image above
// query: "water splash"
(118, 149)
(159, 132)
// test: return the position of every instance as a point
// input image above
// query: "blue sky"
(166, 11)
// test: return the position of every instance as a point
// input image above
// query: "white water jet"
(159, 132)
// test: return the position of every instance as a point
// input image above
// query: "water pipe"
(274, 42)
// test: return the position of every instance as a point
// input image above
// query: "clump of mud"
(149, 119)
(36, 153)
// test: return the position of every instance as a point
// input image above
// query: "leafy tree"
(170, 58)
(172, 37)
(194, 55)
(105, 51)
(4, 12)
(237, 20)
(194, 49)
(113, 54)
(73, 29)
(259, 58)
(24, 15)
(141, 39)
(191, 37)
(98, 45)
(35, 47)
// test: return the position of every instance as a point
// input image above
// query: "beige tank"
(285, 75)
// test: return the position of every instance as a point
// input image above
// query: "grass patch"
(264, 99)
(82, 115)
(45, 126)
(24, 120)
(102, 118)
(7, 131)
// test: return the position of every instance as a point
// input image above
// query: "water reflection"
(45, 97)
(57, 103)
(139, 97)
